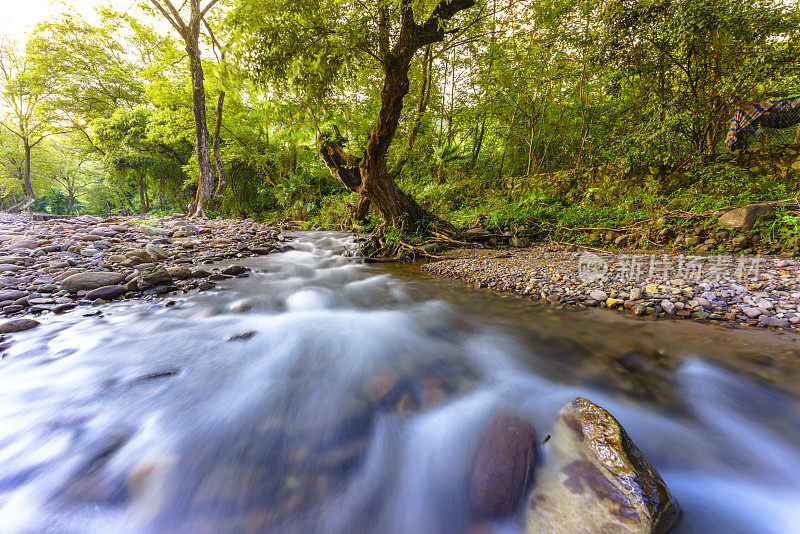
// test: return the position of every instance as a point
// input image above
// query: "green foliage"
(54, 201)
(526, 88)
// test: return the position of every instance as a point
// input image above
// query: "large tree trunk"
(422, 106)
(205, 183)
(190, 33)
(376, 183)
(30, 198)
(26, 181)
(369, 175)
(142, 183)
(222, 182)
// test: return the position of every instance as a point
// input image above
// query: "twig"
(598, 250)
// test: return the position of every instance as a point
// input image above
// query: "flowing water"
(320, 394)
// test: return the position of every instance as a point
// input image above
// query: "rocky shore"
(742, 289)
(54, 266)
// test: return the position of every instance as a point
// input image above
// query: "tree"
(190, 33)
(69, 170)
(387, 32)
(90, 69)
(24, 91)
(696, 62)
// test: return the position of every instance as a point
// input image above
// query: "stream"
(321, 394)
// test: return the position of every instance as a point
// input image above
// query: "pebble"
(598, 295)
(55, 265)
(768, 296)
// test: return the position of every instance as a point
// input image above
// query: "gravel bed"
(749, 290)
(56, 265)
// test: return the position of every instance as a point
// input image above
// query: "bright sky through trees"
(17, 18)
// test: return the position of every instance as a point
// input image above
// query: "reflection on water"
(323, 395)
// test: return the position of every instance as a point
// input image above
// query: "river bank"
(56, 265)
(739, 289)
(319, 387)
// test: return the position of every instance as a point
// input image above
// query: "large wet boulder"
(595, 480)
(503, 468)
(91, 280)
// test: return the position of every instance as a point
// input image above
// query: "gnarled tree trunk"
(369, 175)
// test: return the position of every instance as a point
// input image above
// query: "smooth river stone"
(107, 292)
(141, 254)
(91, 280)
(156, 252)
(11, 294)
(595, 480)
(17, 325)
(146, 229)
(23, 244)
(179, 272)
(153, 276)
(503, 468)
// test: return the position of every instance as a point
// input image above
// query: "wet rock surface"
(504, 466)
(595, 479)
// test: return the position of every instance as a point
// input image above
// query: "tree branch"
(209, 6)
(383, 31)
(176, 22)
(32, 145)
(215, 44)
(432, 30)
(12, 130)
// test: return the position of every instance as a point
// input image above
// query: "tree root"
(24, 205)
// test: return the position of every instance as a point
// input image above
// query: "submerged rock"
(234, 270)
(504, 465)
(596, 480)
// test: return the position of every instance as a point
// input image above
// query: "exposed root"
(198, 213)
(24, 205)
